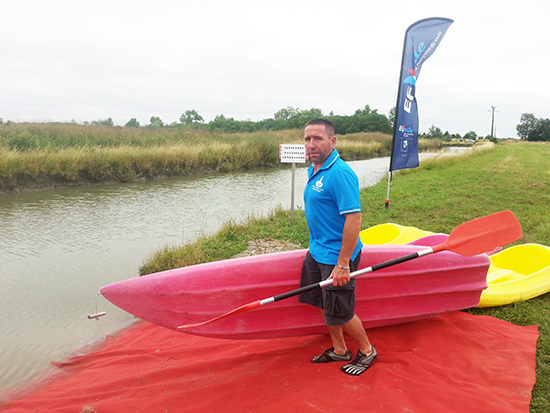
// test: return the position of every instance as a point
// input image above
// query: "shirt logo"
(318, 185)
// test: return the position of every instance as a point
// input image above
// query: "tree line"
(530, 128)
(366, 119)
(435, 132)
(363, 120)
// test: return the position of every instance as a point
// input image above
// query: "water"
(58, 247)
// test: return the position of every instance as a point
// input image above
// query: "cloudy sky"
(84, 61)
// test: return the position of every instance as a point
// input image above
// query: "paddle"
(470, 238)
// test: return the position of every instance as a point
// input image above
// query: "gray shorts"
(338, 302)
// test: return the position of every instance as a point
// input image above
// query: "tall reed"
(33, 156)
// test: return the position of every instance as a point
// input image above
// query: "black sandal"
(360, 363)
(329, 355)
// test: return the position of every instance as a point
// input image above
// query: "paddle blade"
(242, 309)
(483, 234)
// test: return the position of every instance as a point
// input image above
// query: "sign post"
(292, 153)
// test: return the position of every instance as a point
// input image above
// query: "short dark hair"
(329, 126)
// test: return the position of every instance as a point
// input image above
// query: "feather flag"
(421, 41)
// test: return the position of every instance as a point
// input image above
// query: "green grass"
(230, 240)
(437, 196)
(445, 192)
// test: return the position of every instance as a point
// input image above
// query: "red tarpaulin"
(451, 363)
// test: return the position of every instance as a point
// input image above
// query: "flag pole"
(390, 175)
(387, 204)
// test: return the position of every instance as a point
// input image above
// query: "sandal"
(329, 355)
(360, 363)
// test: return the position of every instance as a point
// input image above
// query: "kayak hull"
(430, 285)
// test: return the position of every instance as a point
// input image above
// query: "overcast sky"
(84, 61)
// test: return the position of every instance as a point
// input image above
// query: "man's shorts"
(338, 302)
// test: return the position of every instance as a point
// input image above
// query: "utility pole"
(493, 121)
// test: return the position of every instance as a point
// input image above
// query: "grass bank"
(44, 155)
(439, 195)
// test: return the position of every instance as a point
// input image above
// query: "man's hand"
(339, 276)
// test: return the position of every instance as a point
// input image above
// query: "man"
(333, 213)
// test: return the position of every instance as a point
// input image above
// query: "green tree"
(191, 117)
(391, 116)
(532, 128)
(223, 124)
(103, 122)
(363, 120)
(132, 123)
(305, 116)
(470, 135)
(286, 113)
(294, 118)
(541, 132)
(156, 122)
(527, 123)
(434, 133)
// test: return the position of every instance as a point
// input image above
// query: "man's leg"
(337, 337)
(354, 329)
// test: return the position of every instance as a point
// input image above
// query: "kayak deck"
(516, 274)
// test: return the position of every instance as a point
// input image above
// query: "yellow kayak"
(517, 273)
(391, 234)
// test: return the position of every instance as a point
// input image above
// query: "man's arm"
(352, 228)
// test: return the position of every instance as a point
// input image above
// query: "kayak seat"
(500, 276)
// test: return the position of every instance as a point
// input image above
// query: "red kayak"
(413, 290)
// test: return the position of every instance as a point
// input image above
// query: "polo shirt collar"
(329, 162)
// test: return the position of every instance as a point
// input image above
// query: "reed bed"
(46, 155)
(35, 136)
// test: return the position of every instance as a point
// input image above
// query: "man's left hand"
(340, 276)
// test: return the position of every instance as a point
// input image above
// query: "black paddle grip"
(374, 268)
(395, 261)
(296, 292)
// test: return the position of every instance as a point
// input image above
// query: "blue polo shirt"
(330, 194)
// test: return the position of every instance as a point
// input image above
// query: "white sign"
(292, 153)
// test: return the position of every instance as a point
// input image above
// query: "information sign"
(292, 153)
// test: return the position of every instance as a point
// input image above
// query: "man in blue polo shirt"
(333, 213)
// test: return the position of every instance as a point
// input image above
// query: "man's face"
(319, 144)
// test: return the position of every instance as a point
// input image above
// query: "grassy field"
(34, 156)
(437, 196)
